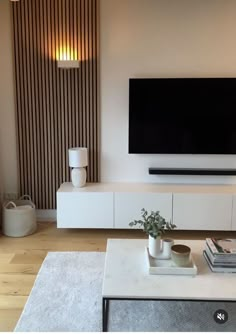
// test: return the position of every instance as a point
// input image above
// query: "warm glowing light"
(66, 53)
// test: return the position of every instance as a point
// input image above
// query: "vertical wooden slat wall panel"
(96, 80)
(56, 108)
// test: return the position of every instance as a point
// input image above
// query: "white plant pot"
(166, 245)
(154, 246)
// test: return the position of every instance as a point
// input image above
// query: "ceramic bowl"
(180, 255)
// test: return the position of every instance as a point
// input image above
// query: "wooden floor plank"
(12, 302)
(16, 285)
(29, 269)
(6, 257)
(8, 319)
(27, 258)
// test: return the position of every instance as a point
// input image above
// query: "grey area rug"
(66, 297)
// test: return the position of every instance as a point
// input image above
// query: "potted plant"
(154, 225)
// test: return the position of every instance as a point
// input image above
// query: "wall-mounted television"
(182, 115)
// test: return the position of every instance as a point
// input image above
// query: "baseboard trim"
(46, 215)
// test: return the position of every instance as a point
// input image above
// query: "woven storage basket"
(19, 217)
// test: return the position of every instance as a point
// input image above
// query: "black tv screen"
(182, 115)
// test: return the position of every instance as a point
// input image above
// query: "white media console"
(114, 205)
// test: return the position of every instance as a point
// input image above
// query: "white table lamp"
(78, 159)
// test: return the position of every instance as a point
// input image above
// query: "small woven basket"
(19, 217)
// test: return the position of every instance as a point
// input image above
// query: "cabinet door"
(85, 210)
(128, 206)
(202, 211)
(234, 214)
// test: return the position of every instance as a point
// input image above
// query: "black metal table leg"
(105, 310)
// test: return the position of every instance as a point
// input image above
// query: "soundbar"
(191, 171)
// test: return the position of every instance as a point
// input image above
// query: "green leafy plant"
(153, 224)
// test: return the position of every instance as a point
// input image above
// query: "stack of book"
(220, 255)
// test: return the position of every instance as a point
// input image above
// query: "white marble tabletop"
(126, 275)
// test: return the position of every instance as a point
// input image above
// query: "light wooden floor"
(21, 258)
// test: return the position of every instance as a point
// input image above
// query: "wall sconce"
(67, 57)
(67, 64)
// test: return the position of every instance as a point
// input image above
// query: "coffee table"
(126, 277)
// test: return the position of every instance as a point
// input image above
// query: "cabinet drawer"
(202, 211)
(128, 206)
(85, 210)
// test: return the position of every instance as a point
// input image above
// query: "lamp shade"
(78, 157)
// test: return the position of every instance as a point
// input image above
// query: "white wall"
(144, 38)
(8, 156)
(159, 38)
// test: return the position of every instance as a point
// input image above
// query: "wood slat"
(56, 109)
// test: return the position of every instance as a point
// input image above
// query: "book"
(220, 257)
(222, 247)
(219, 261)
(218, 268)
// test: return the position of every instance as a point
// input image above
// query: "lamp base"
(78, 177)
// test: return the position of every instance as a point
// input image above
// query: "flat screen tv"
(182, 115)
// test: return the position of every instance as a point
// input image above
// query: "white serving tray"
(168, 267)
